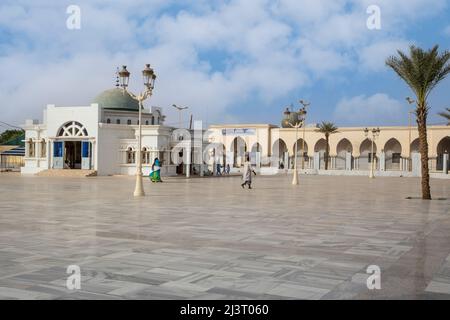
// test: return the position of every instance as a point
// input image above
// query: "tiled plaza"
(206, 238)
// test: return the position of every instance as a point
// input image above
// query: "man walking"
(247, 173)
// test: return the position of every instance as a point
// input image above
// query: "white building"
(101, 137)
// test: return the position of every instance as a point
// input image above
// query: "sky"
(229, 61)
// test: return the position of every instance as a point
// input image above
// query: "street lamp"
(149, 78)
(410, 112)
(303, 114)
(180, 109)
(375, 134)
(297, 125)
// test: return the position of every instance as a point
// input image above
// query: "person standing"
(155, 174)
(247, 174)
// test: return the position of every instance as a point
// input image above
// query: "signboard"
(238, 132)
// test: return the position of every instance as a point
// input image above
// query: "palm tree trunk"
(326, 152)
(423, 146)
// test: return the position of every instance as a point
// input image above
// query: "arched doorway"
(392, 154)
(366, 157)
(71, 149)
(215, 157)
(239, 148)
(255, 155)
(344, 152)
(321, 148)
(302, 154)
(280, 155)
(443, 148)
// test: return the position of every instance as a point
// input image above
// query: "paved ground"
(209, 239)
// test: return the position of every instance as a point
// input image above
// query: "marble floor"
(209, 239)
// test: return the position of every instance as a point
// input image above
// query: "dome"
(116, 99)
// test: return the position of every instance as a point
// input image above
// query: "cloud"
(213, 56)
(373, 110)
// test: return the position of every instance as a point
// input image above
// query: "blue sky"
(230, 61)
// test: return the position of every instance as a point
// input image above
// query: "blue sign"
(238, 132)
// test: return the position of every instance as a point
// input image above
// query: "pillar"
(445, 163)
(382, 161)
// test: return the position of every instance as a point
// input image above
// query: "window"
(129, 122)
(145, 156)
(72, 129)
(396, 158)
(130, 155)
(118, 121)
(108, 120)
(146, 122)
(43, 149)
(153, 120)
(31, 148)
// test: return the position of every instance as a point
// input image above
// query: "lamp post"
(410, 112)
(303, 113)
(297, 125)
(180, 109)
(149, 78)
(375, 134)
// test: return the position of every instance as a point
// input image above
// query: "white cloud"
(373, 110)
(262, 50)
(373, 56)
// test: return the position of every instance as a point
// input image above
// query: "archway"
(71, 149)
(239, 148)
(302, 154)
(280, 155)
(392, 154)
(321, 149)
(366, 157)
(443, 147)
(343, 149)
(255, 154)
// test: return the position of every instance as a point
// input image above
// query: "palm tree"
(446, 115)
(422, 71)
(327, 128)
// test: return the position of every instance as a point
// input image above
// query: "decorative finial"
(117, 78)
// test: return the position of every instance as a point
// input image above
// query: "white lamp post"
(149, 83)
(375, 134)
(303, 112)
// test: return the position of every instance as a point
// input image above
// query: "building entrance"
(72, 155)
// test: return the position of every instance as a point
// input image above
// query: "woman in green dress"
(155, 174)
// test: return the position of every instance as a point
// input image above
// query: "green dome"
(116, 99)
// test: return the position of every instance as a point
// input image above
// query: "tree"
(446, 115)
(8, 135)
(422, 71)
(327, 128)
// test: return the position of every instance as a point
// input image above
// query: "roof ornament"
(117, 78)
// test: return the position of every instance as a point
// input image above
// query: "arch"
(131, 155)
(301, 154)
(256, 147)
(72, 129)
(280, 154)
(365, 158)
(342, 149)
(443, 147)
(392, 154)
(415, 146)
(145, 155)
(239, 149)
(321, 148)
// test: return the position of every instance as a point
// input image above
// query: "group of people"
(226, 169)
(155, 173)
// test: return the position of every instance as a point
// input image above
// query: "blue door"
(85, 155)
(58, 155)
